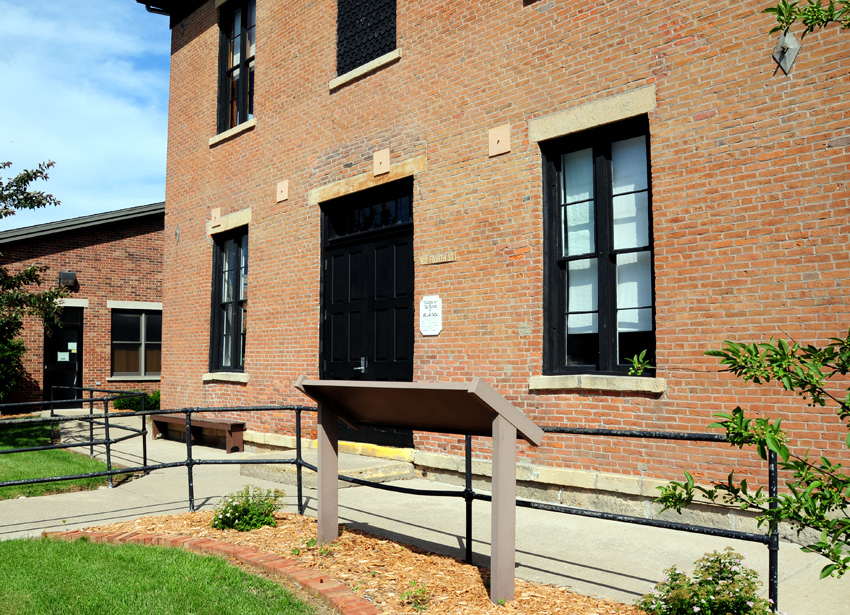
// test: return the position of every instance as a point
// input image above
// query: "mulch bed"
(380, 570)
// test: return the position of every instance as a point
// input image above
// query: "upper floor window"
(365, 30)
(230, 302)
(238, 35)
(136, 343)
(599, 293)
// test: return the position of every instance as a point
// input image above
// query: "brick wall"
(118, 261)
(749, 183)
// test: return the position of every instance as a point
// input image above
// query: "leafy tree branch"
(19, 296)
(813, 15)
(817, 495)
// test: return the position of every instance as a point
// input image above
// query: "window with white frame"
(599, 292)
(136, 342)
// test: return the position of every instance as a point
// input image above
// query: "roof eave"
(62, 226)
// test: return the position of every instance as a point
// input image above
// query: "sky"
(85, 84)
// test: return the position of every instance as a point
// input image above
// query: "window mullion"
(236, 334)
(142, 334)
(607, 266)
(242, 94)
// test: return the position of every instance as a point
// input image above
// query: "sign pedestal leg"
(503, 529)
(328, 466)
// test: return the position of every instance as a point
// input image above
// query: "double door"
(367, 313)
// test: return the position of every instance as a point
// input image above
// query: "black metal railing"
(770, 539)
(106, 396)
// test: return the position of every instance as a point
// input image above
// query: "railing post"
(468, 496)
(298, 461)
(91, 423)
(189, 462)
(773, 545)
(108, 441)
(144, 436)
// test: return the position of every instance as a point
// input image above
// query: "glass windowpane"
(631, 220)
(244, 335)
(634, 320)
(236, 49)
(580, 229)
(126, 327)
(403, 210)
(243, 290)
(582, 346)
(632, 343)
(628, 159)
(125, 358)
(583, 286)
(578, 176)
(582, 323)
(226, 334)
(252, 22)
(227, 272)
(634, 280)
(153, 359)
(250, 90)
(153, 328)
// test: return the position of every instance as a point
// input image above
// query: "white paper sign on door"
(430, 315)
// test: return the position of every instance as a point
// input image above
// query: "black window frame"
(555, 284)
(235, 111)
(365, 31)
(143, 343)
(238, 302)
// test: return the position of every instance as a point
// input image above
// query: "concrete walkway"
(600, 558)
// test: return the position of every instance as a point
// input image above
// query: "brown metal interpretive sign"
(467, 408)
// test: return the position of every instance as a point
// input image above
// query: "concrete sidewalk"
(600, 558)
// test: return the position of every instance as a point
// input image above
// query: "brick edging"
(330, 591)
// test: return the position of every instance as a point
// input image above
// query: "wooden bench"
(232, 429)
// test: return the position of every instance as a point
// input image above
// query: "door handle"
(363, 365)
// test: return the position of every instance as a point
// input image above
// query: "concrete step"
(356, 466)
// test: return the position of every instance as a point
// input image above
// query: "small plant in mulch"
(722, 585)
(248, 509)
(416, 597)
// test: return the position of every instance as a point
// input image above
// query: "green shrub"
(247, 509)
(722, 585)
(135, 403)
(11, 365)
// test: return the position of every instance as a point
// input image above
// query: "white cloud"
(85, 83)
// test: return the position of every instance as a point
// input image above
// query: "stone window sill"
(594, 382)
(225, 377)
(236, 130)
(133, 379)
(369, 67)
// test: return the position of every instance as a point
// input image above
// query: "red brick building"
(575, 182)
(111, 336)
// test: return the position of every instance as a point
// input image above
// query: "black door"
(367, 294)
(63, 356)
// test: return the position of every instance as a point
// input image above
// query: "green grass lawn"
(51, 577)
(39, 464)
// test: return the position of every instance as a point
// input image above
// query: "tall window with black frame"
(365, 30)
(236, 91)
(599, 286)
(230, 302)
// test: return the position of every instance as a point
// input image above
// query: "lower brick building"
(111, 338)
(530, 192)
